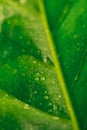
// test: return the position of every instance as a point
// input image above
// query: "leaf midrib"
(58, 69)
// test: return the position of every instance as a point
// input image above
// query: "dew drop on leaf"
(35, 92)
(22, 1)
(76, 77)
(37, 79)
(45, 59)
(75, 36)
(50, 104)
(23, 50)
(54, 107)
(53, 82)
(56, 118)
(26, 67)
(23, 74)
(42, 78)
(32, 68)
(50, 110)
(26, 106)
(5, 53)
(46, 97)
(46, 92)
(37, 73)
(60, 96)
(20, 37)
(34, 62)
(29, 100)
(14, 71)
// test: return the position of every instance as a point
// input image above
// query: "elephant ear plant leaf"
(43, 65)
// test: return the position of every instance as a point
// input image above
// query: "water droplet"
(46, 97)
(22, 1)
(37, 78)
(50, 104)
(75, 36)
(50, 110)
(23, 50)
(83, 26)
(26, 106)
(76, 77)
(20, 37)
(26, 67)
(35, 92)
(56, 118)
(29, 100)
(19, 57)
(5, 53)
(37, 73)
(28, 42)
(34, 62)
(78, 43)
(23, 74)
(21, 60)
(60, 96)
(42, 78)
(6, 66)
(14, 71)
(32, 68)
(45, 92)
(64, 63)
(9, 22)
(45, 59)
(6, 96)
(39, 65)
(54, 107)
(53, 82)
(20, 66)
(40, 104)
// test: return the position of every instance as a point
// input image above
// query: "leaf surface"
(28, 69)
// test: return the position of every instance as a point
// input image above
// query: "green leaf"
(42, 70)
(16, 115)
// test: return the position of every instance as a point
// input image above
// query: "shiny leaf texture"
(31, 92)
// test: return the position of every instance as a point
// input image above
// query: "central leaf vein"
(58, 67)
